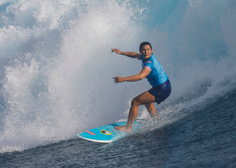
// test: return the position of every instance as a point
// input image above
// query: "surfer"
(153, 71)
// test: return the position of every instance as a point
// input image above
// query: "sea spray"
(58, 82)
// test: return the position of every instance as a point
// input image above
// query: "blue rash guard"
(157, 76)
(161, 87)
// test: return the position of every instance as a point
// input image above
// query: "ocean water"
(56, 71)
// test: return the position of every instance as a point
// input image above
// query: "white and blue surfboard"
(108, 133)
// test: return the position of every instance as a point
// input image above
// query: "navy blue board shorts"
(161, 92)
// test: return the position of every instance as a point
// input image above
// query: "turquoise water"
(56, 71)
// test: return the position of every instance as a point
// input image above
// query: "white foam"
(51, 96)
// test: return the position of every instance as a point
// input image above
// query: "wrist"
(122, 53)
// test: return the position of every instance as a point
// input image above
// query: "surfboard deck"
(108, 133)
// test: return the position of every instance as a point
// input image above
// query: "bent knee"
(135, 102)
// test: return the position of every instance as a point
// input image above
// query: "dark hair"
(143, 44)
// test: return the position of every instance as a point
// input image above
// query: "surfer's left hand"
(118, 79)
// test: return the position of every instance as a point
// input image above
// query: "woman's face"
(146, 52)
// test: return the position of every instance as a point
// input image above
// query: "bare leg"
(144, 98)
(152, 110)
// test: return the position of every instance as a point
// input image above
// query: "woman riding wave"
(153, 71)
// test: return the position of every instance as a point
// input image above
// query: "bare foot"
(154, 116)
(123, 128)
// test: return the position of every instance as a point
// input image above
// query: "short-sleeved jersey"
(157, 75)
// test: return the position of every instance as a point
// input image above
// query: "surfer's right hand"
(116, 50)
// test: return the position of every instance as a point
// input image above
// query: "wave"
(57, 68)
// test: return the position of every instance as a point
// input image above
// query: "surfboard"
(108, 133)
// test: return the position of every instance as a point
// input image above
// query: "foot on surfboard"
(123, 128)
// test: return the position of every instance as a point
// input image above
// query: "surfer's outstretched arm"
(128, 54)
